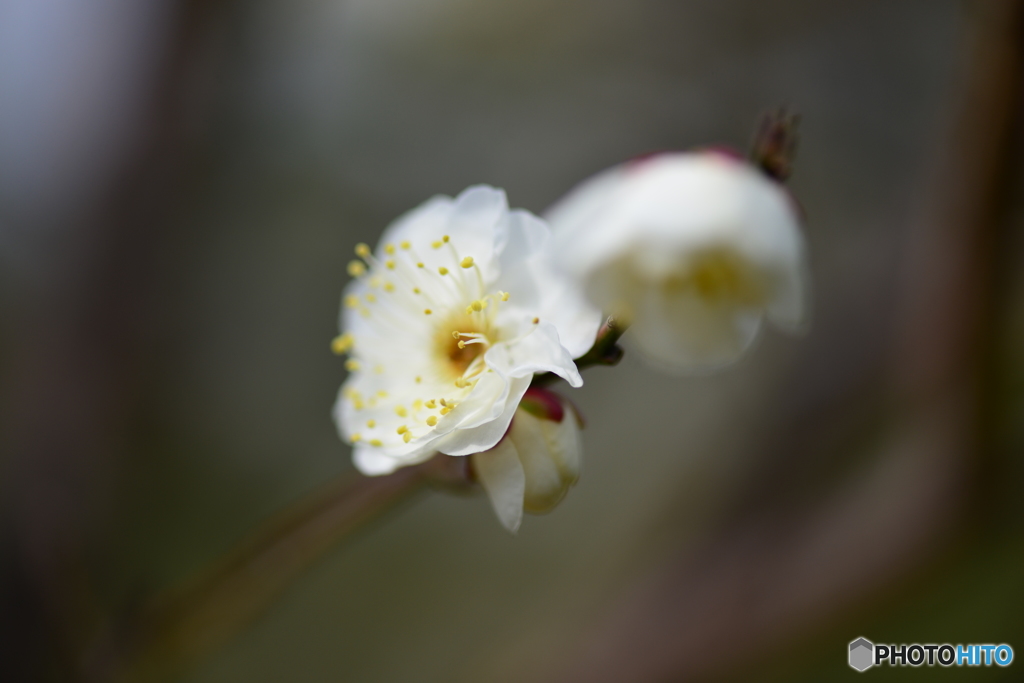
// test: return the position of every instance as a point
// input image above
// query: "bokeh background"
(181, 185)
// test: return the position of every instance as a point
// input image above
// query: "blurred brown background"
(182, 182)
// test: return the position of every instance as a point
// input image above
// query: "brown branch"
(194, 619)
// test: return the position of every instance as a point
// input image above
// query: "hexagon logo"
(862, 654)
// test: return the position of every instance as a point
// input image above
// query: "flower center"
(717, 277)
(460, 340)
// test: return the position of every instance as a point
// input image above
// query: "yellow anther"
(455, 334)
(388, 287)
(418, 379)
(477, 305)
(443, 402)
(406, 244)
(407, 437)
(469, 310)
(445, 238)
(382, 393)
(351, 365)
(352, 301)
(427, 311)
(415, 290)
(374, 281)
(376, 442)
(379, 369)
(402, 430)
(371, 298)
(459, 382)
(417, 404)
(419, 264)
(365, 312)
(357, 403)
(445, 410)
(342, 343)
(442, 270)
(400, 411)
(389, 249)
(356, 268)
(436, 245)
(467, 262)
(356, 437)
(371, 423)
(432, 420)
(362, 250)
(536, 320)
(389, 264)
(504, 296)
(462, 344)
(430, 404)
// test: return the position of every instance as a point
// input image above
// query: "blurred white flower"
(446, 324)
(692, 250)
(538, 460)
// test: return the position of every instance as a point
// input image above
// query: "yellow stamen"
(342, 343)
(351, 365)
(419, 264)
(400, 411)
(402, 429)
(376, 442)
(504, 296)
(442, 270)
(436, 245)
(371, 423)
(371, 298)
(427, 311)
(445, 410)
(356, 437)
(352, 301)
(362, 250)
(467, 262)
(430, 404)
(432, 420)
(356, 268)
(389, 264)
(388, 287)
(382, 393)
(415, 290)
(418, 379)
(405, 244)
(407, 437)
(445, 238)
(389, 249)
(536, 320)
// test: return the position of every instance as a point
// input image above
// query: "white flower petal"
(483, 436)
(501, 475)
(538, 351)
(371, 462)
(545, 485)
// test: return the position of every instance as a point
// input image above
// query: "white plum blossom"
(445, 324)
(693, 250)
(539, 459)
